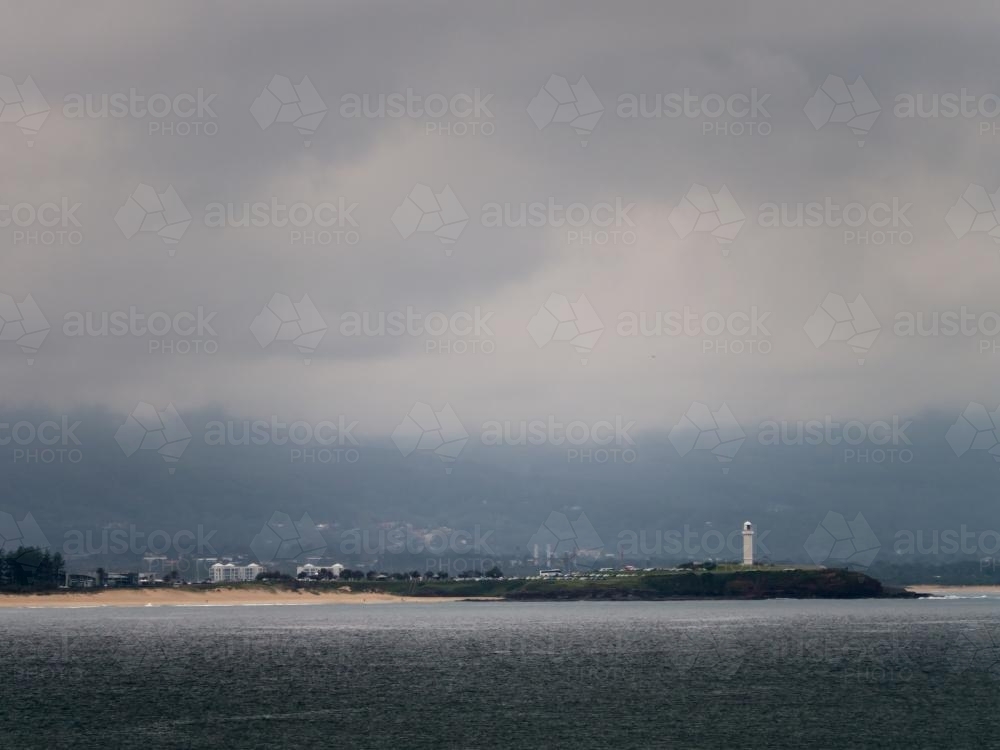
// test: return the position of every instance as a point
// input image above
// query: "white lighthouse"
(747, 543)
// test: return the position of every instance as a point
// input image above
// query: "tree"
(494, 572)
(32, 567)
(101, 576)
(58, 568)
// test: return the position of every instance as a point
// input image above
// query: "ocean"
(700, 674)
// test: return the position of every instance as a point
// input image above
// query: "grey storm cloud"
(410, 170)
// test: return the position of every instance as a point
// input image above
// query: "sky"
(660, 152)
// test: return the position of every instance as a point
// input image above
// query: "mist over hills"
(501, 493)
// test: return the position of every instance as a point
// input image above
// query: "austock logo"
(284, 540)
(975, 211)
(575, 323)
(186, 332)
(180, 115)
(470, 113)
(15, 536)
(456, 333)
(734, 333)
(598, 442)
(43, 224)
(323, 224)
(951, 105)
(976, 429)
(440, 432)
(282, 101)
(701, 210)
(148, 429)
(576, 105)
(688, 543)
(838, 102)
(58, 441)
(976, 650)
(25, 537)
(284, 320)
(554, 213)
(852, 435)
(703, 429)
(837, 320)
(23, 323)
(575, 540)
(841, 542)
(322, 442)
(163, 214)
(879, 223)
(423, 210)
(23, 105)
(746, 113)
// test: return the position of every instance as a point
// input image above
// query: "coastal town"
(37, 569)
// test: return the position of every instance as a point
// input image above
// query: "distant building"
(230, 573)
(80, 581)
(747, 543)
(314, 571)
(115, 580)
(551, 573)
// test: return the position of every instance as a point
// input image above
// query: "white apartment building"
(225, 573)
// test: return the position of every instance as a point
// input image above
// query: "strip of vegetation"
(36, 571)
(733, 584)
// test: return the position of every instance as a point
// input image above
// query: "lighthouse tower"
(747, 543)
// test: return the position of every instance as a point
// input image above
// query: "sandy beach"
(187, 596)
(938, 590)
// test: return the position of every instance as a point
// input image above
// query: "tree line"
(31, 569)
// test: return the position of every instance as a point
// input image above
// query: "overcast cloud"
(507, 153)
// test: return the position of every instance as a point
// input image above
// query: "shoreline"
(265, 595)
(937, 589)
(232, 597)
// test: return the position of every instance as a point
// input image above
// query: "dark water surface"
(777, 674)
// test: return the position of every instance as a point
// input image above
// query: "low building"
(316, 571)
(115, 580)
(80, 581)
(230, 573)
